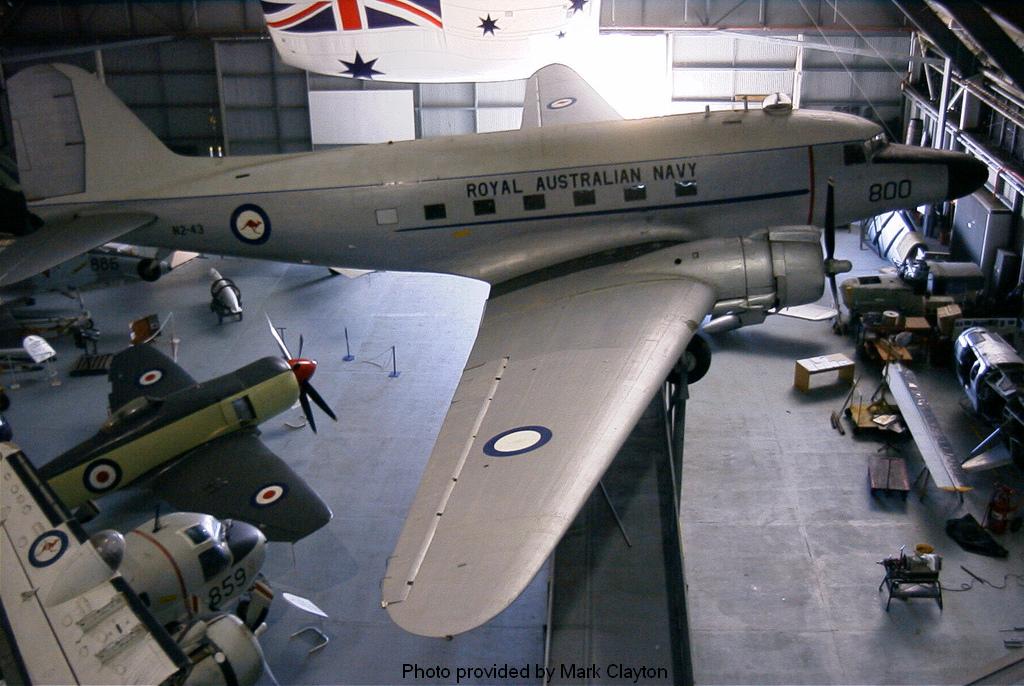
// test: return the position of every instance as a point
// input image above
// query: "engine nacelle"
(754, 275)
(223, 652)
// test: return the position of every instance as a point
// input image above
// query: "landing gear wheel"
(697, 359)
(149, 270)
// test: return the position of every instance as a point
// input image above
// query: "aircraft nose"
(303, 368)
(243, 538)
(966, 175)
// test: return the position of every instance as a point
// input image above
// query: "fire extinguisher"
(1000, 509)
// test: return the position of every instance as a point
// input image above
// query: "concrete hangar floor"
(780, 532)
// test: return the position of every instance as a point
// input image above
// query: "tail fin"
(72, 135)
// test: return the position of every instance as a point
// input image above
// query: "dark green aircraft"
(199, 441)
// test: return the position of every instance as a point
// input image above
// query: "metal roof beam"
(929, 24)
(984, 31)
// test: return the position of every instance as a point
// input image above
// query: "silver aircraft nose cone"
(966, 175)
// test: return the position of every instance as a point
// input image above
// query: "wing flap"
(558, 95)
(560, 373)
(238, 477)
(58, 241)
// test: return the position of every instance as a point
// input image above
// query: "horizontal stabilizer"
(350, 273)
(811, 313)
(59, 241)
(997, 456)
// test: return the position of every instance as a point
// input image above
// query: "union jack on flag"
(351, 15)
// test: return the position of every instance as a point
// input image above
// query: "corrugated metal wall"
(223, 90)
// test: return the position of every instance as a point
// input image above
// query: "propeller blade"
(835, 291)
(307, 410)
(830, 222)
(307, 389)
(300, 346)
(280, 341)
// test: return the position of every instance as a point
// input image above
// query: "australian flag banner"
(350, 15)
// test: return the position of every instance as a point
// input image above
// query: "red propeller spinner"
(303, 368)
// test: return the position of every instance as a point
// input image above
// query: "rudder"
(72, 135)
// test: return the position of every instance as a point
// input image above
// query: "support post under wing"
(935, 448)
(558, 376)
(66, 618)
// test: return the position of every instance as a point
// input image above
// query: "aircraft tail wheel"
(149, 270)
(697, 359)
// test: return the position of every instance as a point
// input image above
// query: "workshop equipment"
(1001, 507)
(916, 576)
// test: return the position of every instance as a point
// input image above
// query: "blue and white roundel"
(250, 224)
(561, 103)
(47, 548)
(517, 441)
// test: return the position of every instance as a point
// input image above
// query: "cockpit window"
(134, 408)
(214, 561)
(197, 534)
(853, 153)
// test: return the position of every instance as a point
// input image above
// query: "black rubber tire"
(149, 270)
(697, 359)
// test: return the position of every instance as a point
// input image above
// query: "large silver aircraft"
(606, 243)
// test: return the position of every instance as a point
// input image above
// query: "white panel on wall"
(501, 93)
(340, 117)
(498, 119)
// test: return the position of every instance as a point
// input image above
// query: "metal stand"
(615, 514)
(348, 351)
(674, 397)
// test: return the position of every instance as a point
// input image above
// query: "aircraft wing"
(238, 477)
(935, 448)
(58, 241)
(558, 95)
(560, 373)
(143, 370)
(65, 617)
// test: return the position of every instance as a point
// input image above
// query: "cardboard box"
(945, 316)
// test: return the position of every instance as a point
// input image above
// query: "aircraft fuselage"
(145, 433)
(500, 205)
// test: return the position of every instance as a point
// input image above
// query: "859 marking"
(186, 229)
(218, 594)
(889, 190)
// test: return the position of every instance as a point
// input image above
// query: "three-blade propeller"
(303, 368)
(832, 265)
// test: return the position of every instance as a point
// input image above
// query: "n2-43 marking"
(186, 229)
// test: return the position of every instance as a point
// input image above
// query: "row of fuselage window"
(536, 201)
